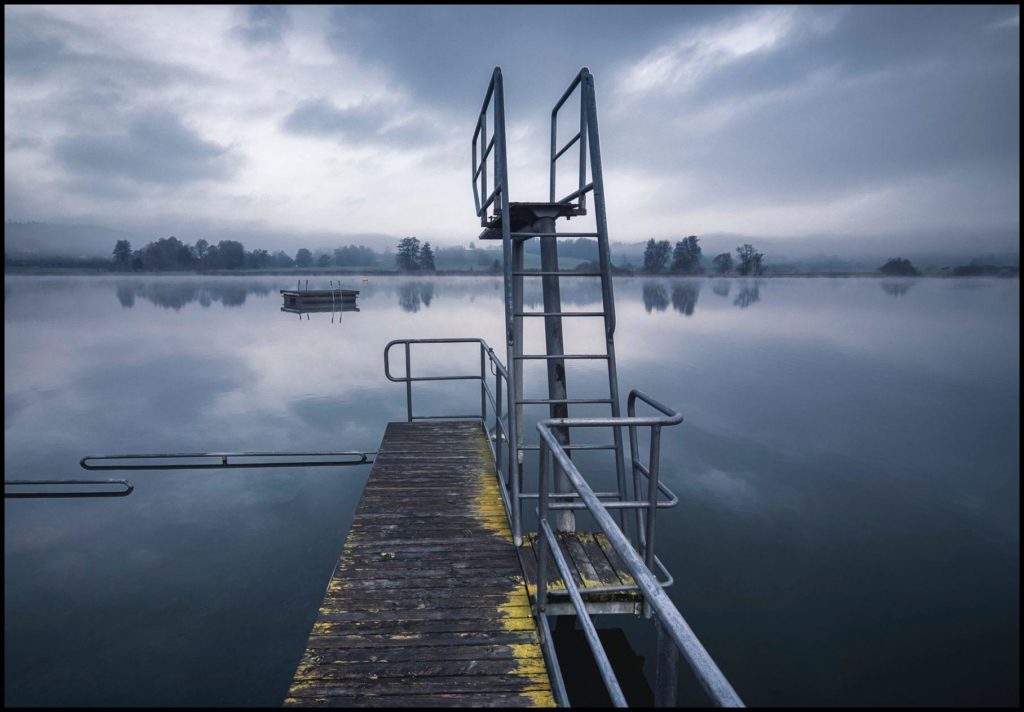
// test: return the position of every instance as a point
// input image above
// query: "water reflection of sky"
(847, 468)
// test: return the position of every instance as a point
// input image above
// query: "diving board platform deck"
(427, 605)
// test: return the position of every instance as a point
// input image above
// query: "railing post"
(652, 504)
(483, 386)
(541, 542)
(634, 454)
(583, 143)
(500, 430)
(554, 149)
(408, 382)
(666, 681)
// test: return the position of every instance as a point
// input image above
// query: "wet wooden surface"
(427, 605)
(592, 562)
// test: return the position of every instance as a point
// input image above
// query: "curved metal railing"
(499, 433)
(580, 81)
(674, 634)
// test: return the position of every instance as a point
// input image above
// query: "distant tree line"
(170, 254)
(687, 258)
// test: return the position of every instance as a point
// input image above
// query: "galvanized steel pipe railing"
(41, 489)
(674, 634)
(581, 137)
(498, 434)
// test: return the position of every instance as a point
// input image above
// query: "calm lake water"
(849, 525)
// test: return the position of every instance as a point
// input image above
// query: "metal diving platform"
(457, 565)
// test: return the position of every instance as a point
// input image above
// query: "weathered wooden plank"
(414, 685)
(418, 701)
(329, 614)
(402, 601)
(489, 585)
(598, 559)
(479, 625)
(423, 667)
(381, 641)
(581, 560)
(415, 654)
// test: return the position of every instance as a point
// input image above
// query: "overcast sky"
(773, 121)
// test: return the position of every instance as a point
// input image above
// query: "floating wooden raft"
(294, 298)
(427, 605)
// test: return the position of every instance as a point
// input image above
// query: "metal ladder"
(515, 224)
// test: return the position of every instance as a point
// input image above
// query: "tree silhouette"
(427, 258)
(687, 255)
(656, 255)
(750, 260)
(123, 255)
(899, 266)
(723, 262)
(407, 258)
(303, 258)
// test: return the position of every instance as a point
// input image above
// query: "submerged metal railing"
(41, 489)
(225, 460)
(674, 634)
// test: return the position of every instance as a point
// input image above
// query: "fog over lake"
(848, 531)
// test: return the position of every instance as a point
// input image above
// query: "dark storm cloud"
(154, 148)
(383, 123)
(263, 25)
(883, 95)
(445, 54)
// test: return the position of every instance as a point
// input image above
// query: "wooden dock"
(427, 605)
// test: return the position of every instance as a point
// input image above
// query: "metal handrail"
(483, 148)
(500, 432)
(675, 635)
(581, 138)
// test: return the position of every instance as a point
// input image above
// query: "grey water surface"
(849, 525)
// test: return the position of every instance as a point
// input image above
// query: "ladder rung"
(571, 447)
(537, 273)
(562, 401)
(520, 233)
(558, 314)
(554, 356)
